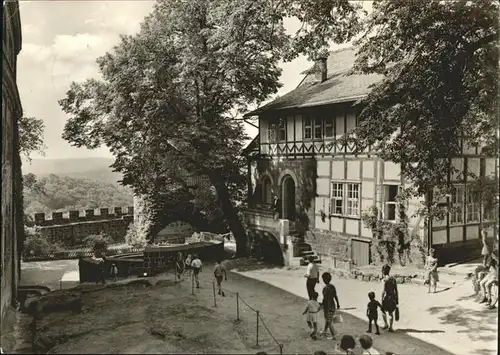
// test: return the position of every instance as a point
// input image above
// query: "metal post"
(215, 299)
(281, 349)
(237, 306)
(257, 335)
(60, 284)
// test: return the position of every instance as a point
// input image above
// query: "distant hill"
(64, 193)
(96, 169)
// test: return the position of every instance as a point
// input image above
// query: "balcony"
(264, 219)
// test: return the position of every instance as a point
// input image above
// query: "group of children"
(330, 304)
(191, 265)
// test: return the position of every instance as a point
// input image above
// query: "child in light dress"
(312, 309)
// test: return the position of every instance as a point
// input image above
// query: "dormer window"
(277, 131)
(318, 128)
(313, 128)
(282, 130)
(328, 128)
(307, 128)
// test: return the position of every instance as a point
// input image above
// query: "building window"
(329, 128)
(457, 205)
(353, 200)
(271, 133)
(345, 199)
(337, 200)
(313, 128)
(318, 128)
(307, 128)
(282, 130)
(473, 205)
(390, 193)
(267, 192)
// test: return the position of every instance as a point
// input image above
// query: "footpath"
(451, 319)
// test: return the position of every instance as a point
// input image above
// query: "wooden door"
(360, 253)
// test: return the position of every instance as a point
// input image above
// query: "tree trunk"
(230, 214)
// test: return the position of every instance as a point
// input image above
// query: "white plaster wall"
(456, 234)
(473, 165)
(298, 128)
(391, 171)
(368, 169)
(439, 237)
(336, 224)
(323, 186)
(289, 128)
(489, 166)
(352, 226)
(353, 167)
(323, 168)
(472, 232)
(338, 170)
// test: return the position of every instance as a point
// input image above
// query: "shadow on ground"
(482, 321)
(431, 331)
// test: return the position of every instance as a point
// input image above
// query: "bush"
(98, 242)
(135, 237)
(37, 245)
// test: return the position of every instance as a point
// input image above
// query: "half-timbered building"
(301, 171)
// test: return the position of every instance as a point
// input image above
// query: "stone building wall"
(11, 209)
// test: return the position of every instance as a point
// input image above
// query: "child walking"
(196, 267)
(372, 312)
(187, 264)
(219, 273)
(312, 310)
(114, 272)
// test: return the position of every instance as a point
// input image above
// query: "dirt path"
(450, 319)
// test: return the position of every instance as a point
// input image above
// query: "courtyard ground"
(450, 319)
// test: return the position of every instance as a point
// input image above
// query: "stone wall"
(11, 209)
(334, 248)
(90, 215)
(70, 234)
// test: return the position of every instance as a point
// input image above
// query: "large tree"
(31, 136)
(168, 94)
(440, 62)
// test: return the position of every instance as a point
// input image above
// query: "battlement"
(90, 215)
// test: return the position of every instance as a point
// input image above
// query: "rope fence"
(238, 302)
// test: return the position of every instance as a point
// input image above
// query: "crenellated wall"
(70, 228)
(90, 215)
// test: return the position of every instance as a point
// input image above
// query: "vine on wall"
(306, 173)
(392, 241)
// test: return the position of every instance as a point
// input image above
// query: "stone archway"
(267, 247)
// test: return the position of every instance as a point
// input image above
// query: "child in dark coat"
(372, 312)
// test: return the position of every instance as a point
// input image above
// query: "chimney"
(321, 70)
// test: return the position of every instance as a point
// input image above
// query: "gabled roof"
(253, 146)
(339, 86)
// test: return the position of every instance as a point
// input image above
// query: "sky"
(61, 41)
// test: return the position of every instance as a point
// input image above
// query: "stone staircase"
(304, 252)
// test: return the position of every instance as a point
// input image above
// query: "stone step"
(305, 262)
(307, 252)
